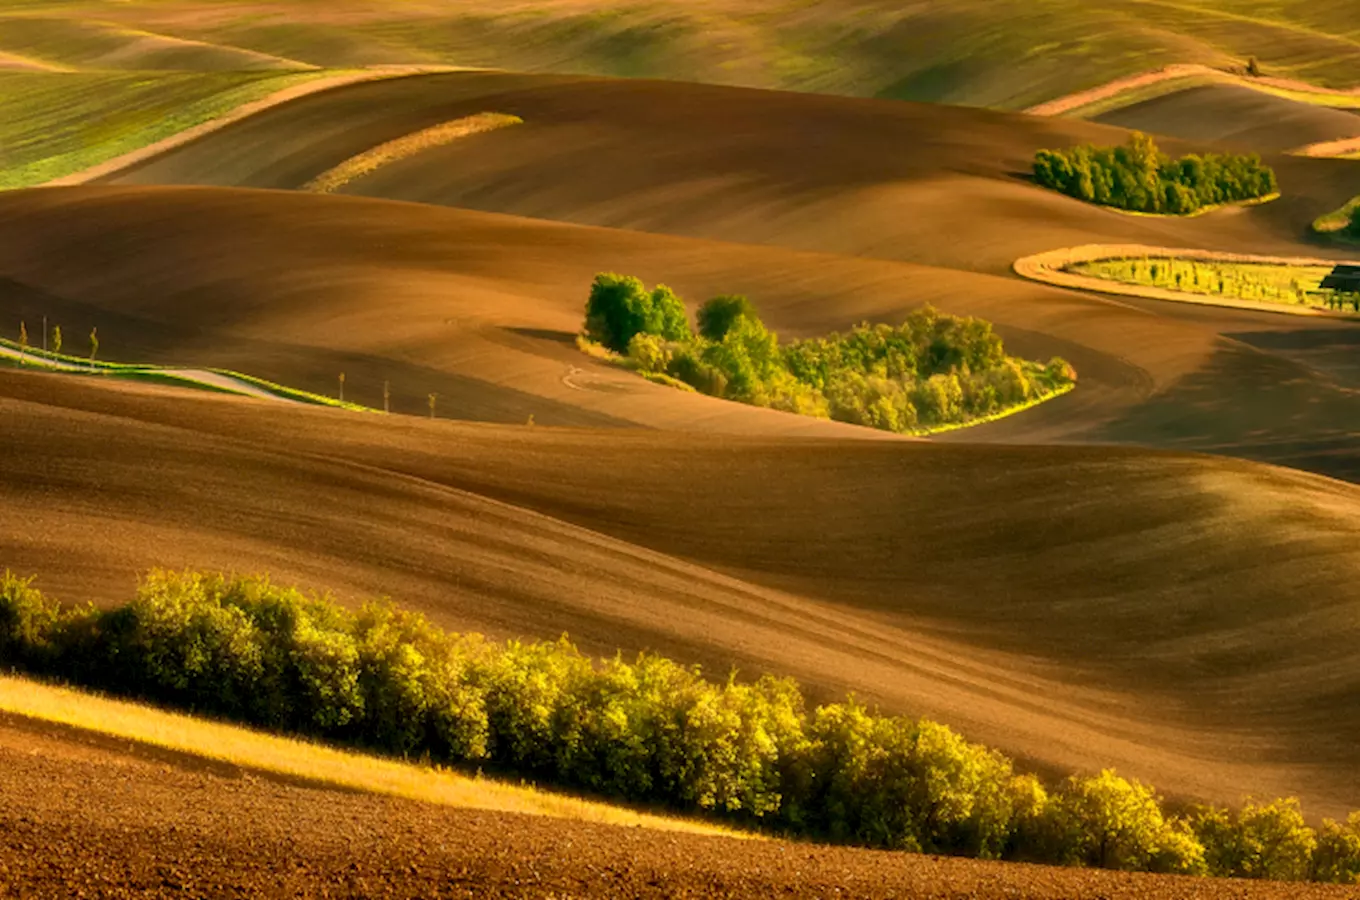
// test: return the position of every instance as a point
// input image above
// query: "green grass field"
(56, 123)
(1007, 54)
(1260, 282)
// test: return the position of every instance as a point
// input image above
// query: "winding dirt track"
(1190, 619)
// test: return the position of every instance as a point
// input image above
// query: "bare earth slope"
(1237, 117)
(129, 823)
(936, 185)
(1187, 619)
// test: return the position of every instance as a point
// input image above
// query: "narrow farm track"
(214, 380)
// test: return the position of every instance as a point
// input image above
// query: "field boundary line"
(1050, 267)
(278, 98)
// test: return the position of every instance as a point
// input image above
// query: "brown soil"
(114, 821)
(1237, 117)
(1189, 619)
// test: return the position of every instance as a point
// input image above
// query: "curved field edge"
(311, 762)
(1149, 85)
(219, 380)
(1336, 220)
(407, 146)
(216, 116)
(1049, 268)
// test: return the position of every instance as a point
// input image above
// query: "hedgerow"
(650, 730)
(1139, 177)
(932, 371)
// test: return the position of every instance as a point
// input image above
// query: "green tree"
(56, 339)
(23, 335)
(716, 316)
(620, 306)
(1114, 823)
(1262, 840)
(1337, 855)
(94, 342)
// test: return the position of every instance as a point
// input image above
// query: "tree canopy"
(1139, 177)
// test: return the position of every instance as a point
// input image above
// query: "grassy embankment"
(309, 761)
(1009, 54)
(175, 376)
(1336, 223)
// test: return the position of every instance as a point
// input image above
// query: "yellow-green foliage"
(933, 372)
(1262, 282)
(1340, 221)
(648, 730)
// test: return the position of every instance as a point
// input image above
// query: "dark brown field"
(1079, 585)
(124, 823)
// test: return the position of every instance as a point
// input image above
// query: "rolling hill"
(1080, 585)
(1009, 54)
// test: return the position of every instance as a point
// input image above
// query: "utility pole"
(44, 334)
(342, 387)
(387, 396)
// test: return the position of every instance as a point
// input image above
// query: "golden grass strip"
(312, 762)
(322, 82)
(1337, 219)
(1148, 85)
(1346, 148)
(1051, 266)
(404, 147)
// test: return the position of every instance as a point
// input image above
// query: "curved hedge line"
(649, 731)
(1140, 178)
(931, 372)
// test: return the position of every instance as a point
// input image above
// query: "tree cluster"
(933, 370)
(1139, 177)
(650, 731)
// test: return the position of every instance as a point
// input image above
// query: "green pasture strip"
(1337, 219)
(149, 376)
(1260, 282)
(151, 372)
(53, 124)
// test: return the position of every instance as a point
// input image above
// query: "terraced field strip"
(239, 746)
(403, 147)
(1052, 267)
(1158, 82)
(278, 98)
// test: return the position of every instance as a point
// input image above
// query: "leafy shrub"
(1337, 855)
(651, 731)
(1263, 840)
(1114, 823)
(1138, 177)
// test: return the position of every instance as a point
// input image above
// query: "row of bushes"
(1139, 177)
(650, 730)
(934, 370)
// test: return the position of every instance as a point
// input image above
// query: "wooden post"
(387, 396)
(342, 387)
